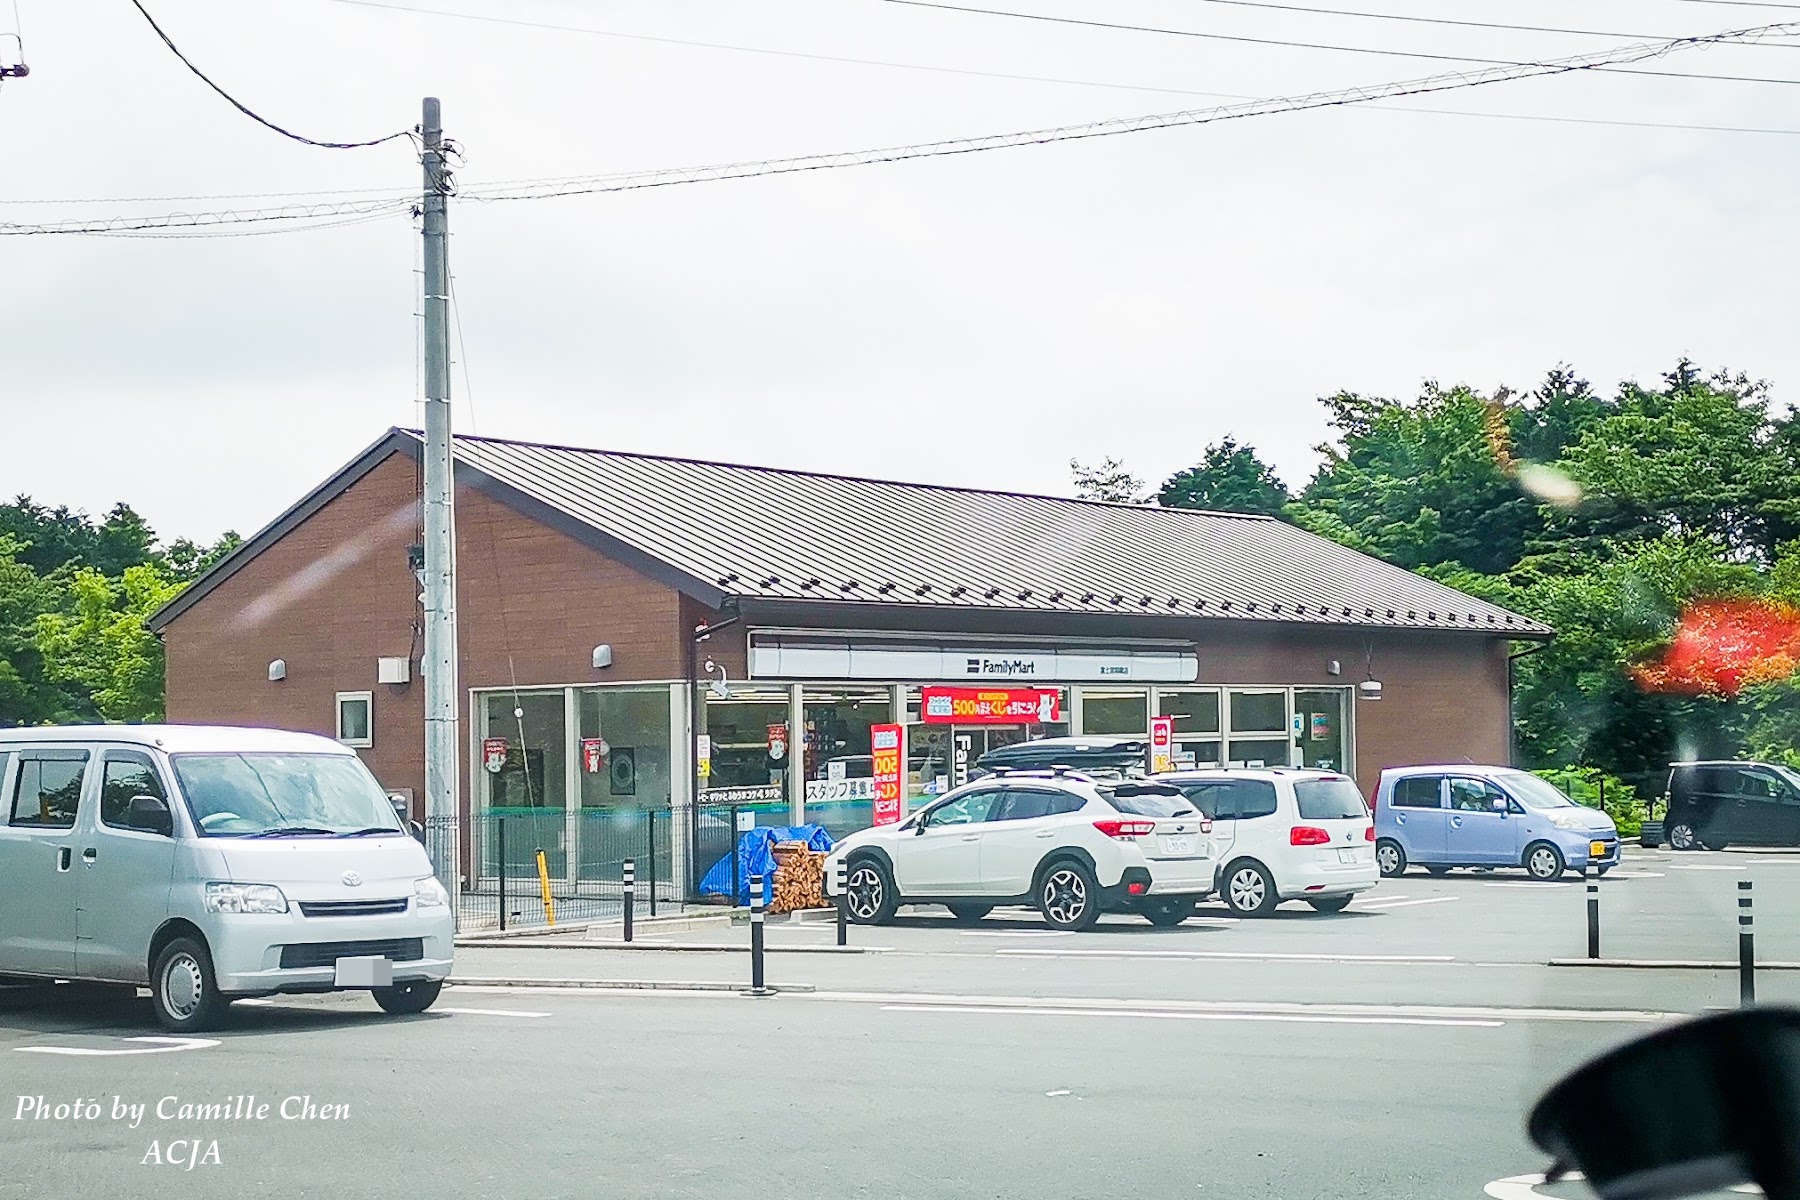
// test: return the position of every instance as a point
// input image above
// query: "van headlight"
(1568, 820)
(245, 898)
(429, 893)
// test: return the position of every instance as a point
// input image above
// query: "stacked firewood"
(799, 878)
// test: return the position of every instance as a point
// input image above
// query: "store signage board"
(493, 754)
(703, 755)
(884, 745)
(593, 755)
(775, 658)
(990, 706)
(1162, 744)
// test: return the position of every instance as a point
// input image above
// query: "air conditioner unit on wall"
(393, 670)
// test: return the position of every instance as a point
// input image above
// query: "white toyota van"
(210, 864)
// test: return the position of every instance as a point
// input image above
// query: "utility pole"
(439, 667)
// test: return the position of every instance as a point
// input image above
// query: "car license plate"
(1346, 855)
(1596, 849)
(1178, 845)
(364, 971)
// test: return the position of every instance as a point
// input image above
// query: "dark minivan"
(1710, 805)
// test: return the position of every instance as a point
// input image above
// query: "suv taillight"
(1308, 835)
(1125, 829)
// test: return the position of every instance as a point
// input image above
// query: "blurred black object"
(1700, 1107)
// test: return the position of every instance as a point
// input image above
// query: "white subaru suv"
(1062, 842)
(1285, 835)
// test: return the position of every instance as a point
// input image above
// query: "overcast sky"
(976, 319)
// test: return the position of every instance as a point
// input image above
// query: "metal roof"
(758, 532)
(725, 532)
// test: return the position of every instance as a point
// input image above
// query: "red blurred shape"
(1722, 646)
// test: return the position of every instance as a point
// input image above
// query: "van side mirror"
(1500, 805)
(147, 814)
(418, 831)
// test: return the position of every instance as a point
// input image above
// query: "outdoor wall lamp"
(278, 670)
(720, 687)
(602, 657)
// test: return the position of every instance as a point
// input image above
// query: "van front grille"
(324, 954)
(351, 908)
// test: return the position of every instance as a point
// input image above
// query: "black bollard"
(630, 894)
(840, 876)
(1746, 947)
(1593, 893)
(757, 901)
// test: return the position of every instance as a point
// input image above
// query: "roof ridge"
(838, 475)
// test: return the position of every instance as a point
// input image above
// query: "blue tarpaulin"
(756, 856)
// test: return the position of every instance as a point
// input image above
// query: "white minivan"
(210, 864)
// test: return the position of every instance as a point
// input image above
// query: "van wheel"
(1390, 858)
(1543, 861)
(870, 892)
(1683, 837)
(1249, 892)
(1068, 896)
(404, 999)
(183, 989)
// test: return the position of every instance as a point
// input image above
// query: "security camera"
(1369, 689)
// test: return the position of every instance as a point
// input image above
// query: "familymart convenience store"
(800, 737)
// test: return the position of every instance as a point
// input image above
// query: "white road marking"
(1228, 955)
(1706, 866)
(1092, 1003)
(1409, 903)
(1156, 1015)
(487, 1012)
(1060, 1092)
(1525, 1187)
(155, 1045)
(1534, 885)
(1636, 874)
(1019, 933)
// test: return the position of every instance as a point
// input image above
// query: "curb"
(617, 985)
(682, 923)
(1667, 964)
(712, 947)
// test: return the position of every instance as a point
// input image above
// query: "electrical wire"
(1261, 41)
(386, 192)
(1738, 3)
(1379, 16)
(235, 103)
(629, 181)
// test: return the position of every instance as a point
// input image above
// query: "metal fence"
(511, 857)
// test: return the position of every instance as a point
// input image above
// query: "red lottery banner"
(593, 755)
(990, 706)
(493, 753)
(884, 745)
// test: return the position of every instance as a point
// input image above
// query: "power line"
(235, 103)
(1738, 3)
(1379, 16)
(628, 181)
(1261, 41)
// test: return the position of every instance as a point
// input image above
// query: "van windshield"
(1534, 792)
(277, 795)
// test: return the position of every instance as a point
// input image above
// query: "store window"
(1199, 737)
(750, 739)
(1260, 735)
(1109, 712)
(839, 762)
(536, 737)
(355, 718)
(1320, 733)
(623, 754)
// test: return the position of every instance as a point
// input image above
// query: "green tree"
(186, 560)
(1108, 481)
(28, 696)
(1228, 478)
(104, 646)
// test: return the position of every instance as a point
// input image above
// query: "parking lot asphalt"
(1390, 1051)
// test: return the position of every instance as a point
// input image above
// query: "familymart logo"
(1001, 666)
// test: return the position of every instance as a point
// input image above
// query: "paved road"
(1388, 1052)
(554, 1095)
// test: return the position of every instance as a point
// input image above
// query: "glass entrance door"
(530, 788)
(1259, 733)
(1319, 718)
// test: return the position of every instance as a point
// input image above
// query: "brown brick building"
(811, 608)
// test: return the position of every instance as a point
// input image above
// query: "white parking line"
(905, 1001)
(1018, 933)
(1234, 955)
(1153, 1015)
(152, 1045)
(1408, 903)
(1525, 1187)
(487, 1012)
(1535, 885)
(1706, 866)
